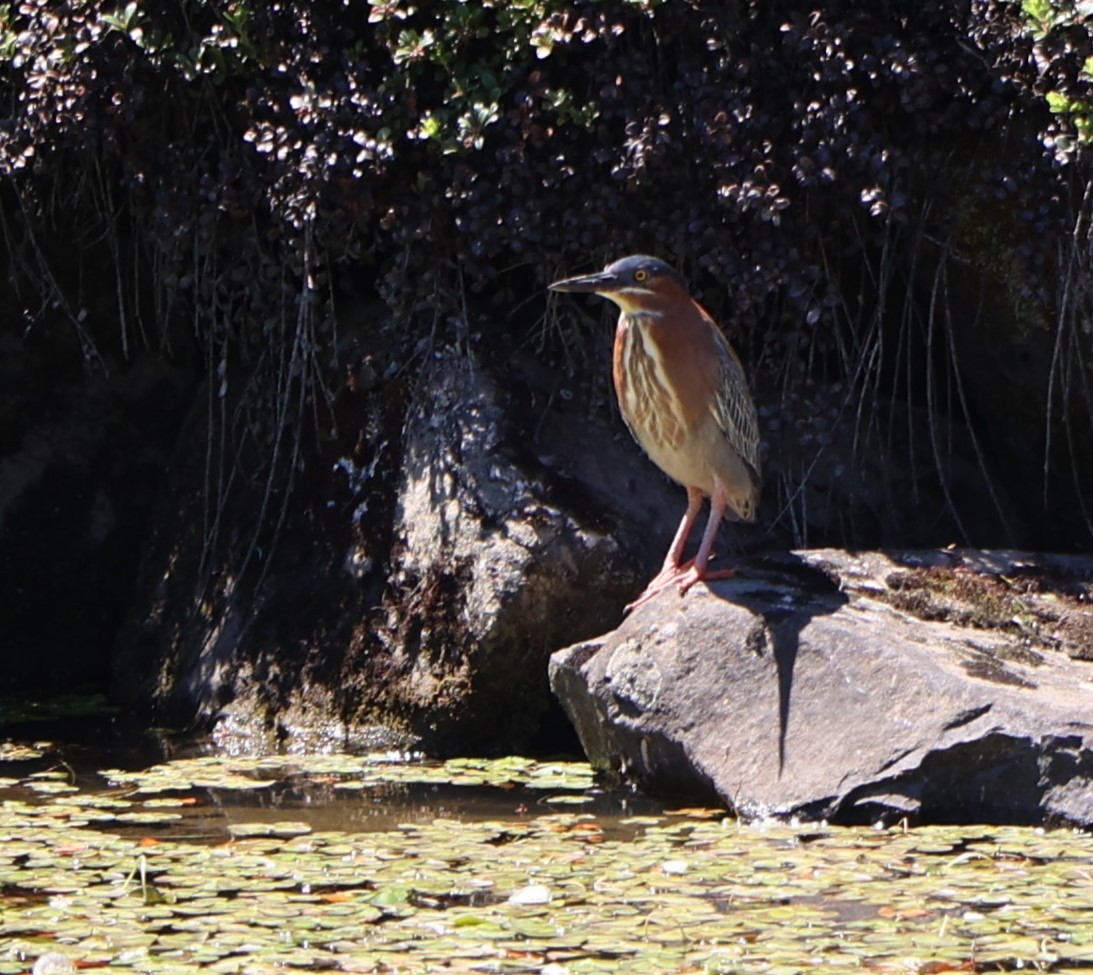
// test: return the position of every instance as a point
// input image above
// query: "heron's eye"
(641, 275)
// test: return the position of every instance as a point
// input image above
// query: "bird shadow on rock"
(786, 592)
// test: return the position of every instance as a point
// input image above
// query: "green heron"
(684, 396)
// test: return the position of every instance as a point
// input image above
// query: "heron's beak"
(600, 283)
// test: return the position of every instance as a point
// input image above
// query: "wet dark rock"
(943, 686)
(255, 583)
(431, 559)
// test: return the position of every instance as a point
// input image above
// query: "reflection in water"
(324, 806)
(74, 752)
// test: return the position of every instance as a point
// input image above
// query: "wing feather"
(734, 409)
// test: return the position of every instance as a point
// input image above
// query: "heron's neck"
(642, 317)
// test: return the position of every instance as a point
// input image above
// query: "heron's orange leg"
(697, 570)
(671, 569)
(671, 565)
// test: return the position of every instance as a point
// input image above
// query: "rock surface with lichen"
(940, 686)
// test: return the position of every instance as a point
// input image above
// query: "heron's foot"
(682, 576)
(651, 592)
(661, 581)
(691, 575)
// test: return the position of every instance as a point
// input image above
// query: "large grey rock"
(491, 567)
(943, 686)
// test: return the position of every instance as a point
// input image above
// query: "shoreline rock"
(939, 686)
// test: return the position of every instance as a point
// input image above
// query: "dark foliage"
(829, 176)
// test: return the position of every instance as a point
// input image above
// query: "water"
(135, 850)
(78, 750)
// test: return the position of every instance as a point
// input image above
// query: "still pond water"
(134, 852)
